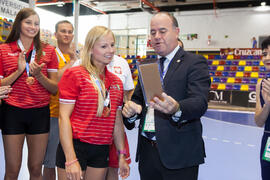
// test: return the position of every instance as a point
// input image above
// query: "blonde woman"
(90, 112)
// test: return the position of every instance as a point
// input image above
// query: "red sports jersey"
(22, 94)
(76, 87)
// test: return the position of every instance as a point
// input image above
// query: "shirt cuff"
(132, 119)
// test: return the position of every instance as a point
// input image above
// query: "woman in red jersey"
(30, 68)
(90, 118)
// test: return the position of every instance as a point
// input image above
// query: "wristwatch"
(176, 116)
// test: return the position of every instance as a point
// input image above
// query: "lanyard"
(105, 97)
(32, 54)
(61, 55)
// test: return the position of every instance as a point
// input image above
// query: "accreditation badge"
(149, 123)
(266, 153)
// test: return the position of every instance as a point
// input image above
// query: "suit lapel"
(176, 61)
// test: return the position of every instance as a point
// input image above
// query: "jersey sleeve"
(120, 104)
(128, 85)
(68, 87)
(53, 63)
(1, 66)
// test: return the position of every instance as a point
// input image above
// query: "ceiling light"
(60, 4)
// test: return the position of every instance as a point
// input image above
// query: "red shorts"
(113, 157)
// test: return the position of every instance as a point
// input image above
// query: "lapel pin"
(178, 61)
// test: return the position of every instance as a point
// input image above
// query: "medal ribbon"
(105, 97)
(32, 54)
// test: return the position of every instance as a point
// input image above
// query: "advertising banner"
(218, 96)
(244, 98)
(9, 8)
(241, 51)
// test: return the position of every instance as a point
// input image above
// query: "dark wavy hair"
(266, 43)
(14, 34)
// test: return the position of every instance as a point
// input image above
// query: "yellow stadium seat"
(248, 68)
(230, 57)
(215, 62)
(242, 63)
(144, 56)
(239, 74)
(254, 74)
(261, 63)
(135, 82)
(206, 56)
(129, 61)
(220, 68)
(230, 80)
(221, 86)
(135, 72)
(244, 87)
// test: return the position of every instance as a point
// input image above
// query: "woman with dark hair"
(90, 116)
(262, 113)
(30, 68)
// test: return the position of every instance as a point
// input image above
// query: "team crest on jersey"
(116, 87)
(117, 70)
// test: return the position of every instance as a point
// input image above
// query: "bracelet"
(71, 162)
(124, 152)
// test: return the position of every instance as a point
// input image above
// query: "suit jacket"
(180, 144)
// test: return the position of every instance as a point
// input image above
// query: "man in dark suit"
(171, 147)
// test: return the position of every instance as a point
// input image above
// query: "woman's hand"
(124, 168)
(74, 171)
(35, 69)
(21, 62)
(4, 90)
(266, 91)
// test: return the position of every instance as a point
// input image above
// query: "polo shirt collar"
(15, 47)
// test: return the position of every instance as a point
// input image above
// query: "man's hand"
(167, 106)
(131, 108)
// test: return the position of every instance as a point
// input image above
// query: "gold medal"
(106, 111)
(30, 80)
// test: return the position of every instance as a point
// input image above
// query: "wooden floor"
(229, 107)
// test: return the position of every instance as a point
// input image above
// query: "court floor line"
(225, 122)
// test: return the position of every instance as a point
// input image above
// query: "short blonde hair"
(92, 37)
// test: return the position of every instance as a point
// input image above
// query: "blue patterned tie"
(161, 62)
